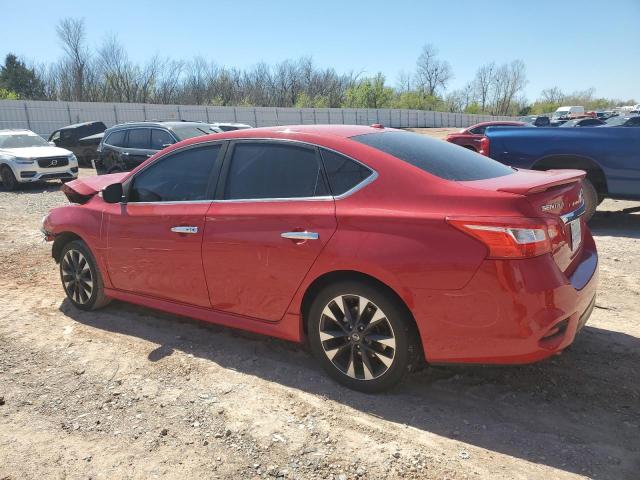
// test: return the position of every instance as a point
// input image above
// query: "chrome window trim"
(351, 191)
(370, 179)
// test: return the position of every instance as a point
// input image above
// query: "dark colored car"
(127, 145)
(71, 137)
(536, 120)
(583, 122)
(627, 121)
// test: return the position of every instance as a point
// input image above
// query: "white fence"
(44, 117)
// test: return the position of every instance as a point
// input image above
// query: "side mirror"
(113, 193)
(53, 144)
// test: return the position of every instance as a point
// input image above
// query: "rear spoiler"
(536, 183)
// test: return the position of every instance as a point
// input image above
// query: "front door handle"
(184, 229)
(300, 235)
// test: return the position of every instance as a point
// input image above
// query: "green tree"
(8, 94)
(17, 77)
(417, 100)
(369, 93)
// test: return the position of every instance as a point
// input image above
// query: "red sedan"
(472, 136)
(380, 247)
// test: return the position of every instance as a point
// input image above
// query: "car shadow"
(36, 187)
(577, 412)
(620, 223)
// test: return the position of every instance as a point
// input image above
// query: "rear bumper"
(511, 312)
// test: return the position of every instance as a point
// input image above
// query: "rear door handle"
(300, 235)
(184, 229)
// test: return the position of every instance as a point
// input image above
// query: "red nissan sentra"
(384, 249)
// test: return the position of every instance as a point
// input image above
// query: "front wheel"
(81, 278)
(362, 337)
(8, 178)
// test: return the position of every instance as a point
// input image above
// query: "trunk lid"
(554, 195)
(81, 190)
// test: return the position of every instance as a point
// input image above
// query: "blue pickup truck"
(610, 156)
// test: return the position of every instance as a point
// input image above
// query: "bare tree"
(432, 73)
(71, 33)
(483, 81)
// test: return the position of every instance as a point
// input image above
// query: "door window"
(179, 177)
(116, 138)
(160, 138)
(55, 136)
(271, 170)
(342, 172)
(139, 138)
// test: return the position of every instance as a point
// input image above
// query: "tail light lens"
(511, 237)
(484, 146)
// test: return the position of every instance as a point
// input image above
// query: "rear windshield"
(436, 157)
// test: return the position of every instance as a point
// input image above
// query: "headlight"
(72, 158)
(23, 161)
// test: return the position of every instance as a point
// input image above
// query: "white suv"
(26, 157)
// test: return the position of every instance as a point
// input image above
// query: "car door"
(138, 147)
(155, 237)
(110, 152)
(272, 217)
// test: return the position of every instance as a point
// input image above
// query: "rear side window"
(139, 138)
(439, 158)
(179, 177)
(116, 138)
(478, 130)
(270, 170)
(342, 172)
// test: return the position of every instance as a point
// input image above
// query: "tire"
(80, 277)
(591, 199)
(356, 357)
(8, 179)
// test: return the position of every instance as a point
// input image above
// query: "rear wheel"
(80, 277)
(591, 199)
(361, 336)
(8, 178)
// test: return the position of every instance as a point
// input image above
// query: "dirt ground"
(128, 392)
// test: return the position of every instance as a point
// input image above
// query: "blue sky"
(574, 44)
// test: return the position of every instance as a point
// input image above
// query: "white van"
(568, 112)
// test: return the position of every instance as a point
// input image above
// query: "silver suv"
(26, 157)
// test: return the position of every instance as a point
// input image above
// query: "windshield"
(561, 113)
(436, 157)
(614, 121)
(189, 132)
(22, 141)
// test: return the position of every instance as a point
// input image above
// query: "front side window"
(116, 138)
(478, 130)
(270, 170)
(442, 159)
(342, 172)
(160, 139)
(179, 177)
(139, 138)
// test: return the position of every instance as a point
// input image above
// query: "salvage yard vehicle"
(72, 137)
(26, 157)
(127, 145)
(470, 137)
(582, 122)
(609, 156)
(381, 248)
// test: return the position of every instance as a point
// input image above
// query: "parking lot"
(128, 392)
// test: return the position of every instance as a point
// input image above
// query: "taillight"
(511, 237)
(484, 146)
